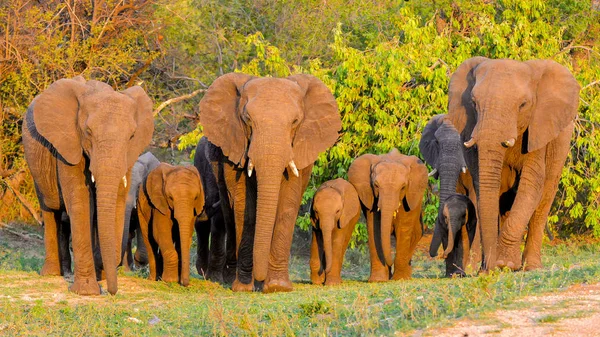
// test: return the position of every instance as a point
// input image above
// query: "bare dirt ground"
(572, 312)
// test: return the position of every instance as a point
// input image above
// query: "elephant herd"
(498, 154)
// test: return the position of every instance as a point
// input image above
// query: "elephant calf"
(169, 201)
(456, 224)
(334, 213)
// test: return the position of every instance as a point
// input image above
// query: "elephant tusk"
(395, 213)
(250, 167)
(93, 180)
(125, 181)
(464, 169)
(509, 143)
(434, 171)
(378, 209)
(470, 143)
(294, 168)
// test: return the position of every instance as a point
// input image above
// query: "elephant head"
(500, 104)
(335, 205)
(385, 184)
(90, 121)
(457, 211)
(442, 148)
(176, 191)
(269, 124)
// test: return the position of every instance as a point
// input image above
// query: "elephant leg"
(556, 155)
(140, 257)
(77, 200)
(146, 228)
(203, 236)
(529, 193)
(217, 258)
(317, 275)
(340, 243)
(290, 197)
(408, 233)
(64, 240)
(52, 265)
(229, 269)
(379, 271)
(224, 221)
(162, 232)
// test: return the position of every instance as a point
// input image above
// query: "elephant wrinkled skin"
(168, 203)
(334, 213)
(269, 131)
(516, 119)
(390, 187)
(81, 139)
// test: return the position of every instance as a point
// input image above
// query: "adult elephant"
(81, 139)
(276, 127)
(390, 188)
(216, 260)
(516, 119)
(443, 150)
(143, 165)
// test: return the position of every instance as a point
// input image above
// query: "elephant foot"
(532, 262)
(50, 268)
(238, 286)
(334, 281)
(402, 273)
(214, 276)
(170, 278)
(86, 286)
(379, 276)
(508, 257)
(315, 278)
(229, 274)
(277, 285)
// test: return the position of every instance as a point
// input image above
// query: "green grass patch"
(32, 304)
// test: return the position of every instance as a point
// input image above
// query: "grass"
(32, 305)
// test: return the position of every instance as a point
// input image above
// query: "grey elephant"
(213, 263)
(81, 139)
(442, 149)
(144, 164)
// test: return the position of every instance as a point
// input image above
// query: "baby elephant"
(335, 211)
(169, 201)
(458, 221)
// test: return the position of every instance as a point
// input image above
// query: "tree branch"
(590, 84)
(25, 203)
(175, 100)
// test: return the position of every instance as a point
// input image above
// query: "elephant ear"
(155, 188)
(557, 99)
(319, 129)
(429, 145)
(359, 175)
(199, 206)
(471, 220)
(144, 120)
(351, 207)
(460, 104)
(416, 184)
(55, 113)
(220, 118)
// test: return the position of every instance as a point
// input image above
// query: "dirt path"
(573, 312)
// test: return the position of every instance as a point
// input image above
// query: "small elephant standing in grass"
(334, 214)
(142, 167)
(390, 187)
(169, 201)
(456, 223)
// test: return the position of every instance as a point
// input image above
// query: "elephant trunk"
(269, 169)
(106, 199)
(328, 242)
(437, 238)
(450, 245)
(186, 229)
(388, 208)
(490, 170)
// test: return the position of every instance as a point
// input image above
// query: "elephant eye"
(88, 130)
(133, 134)
(523, 105)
